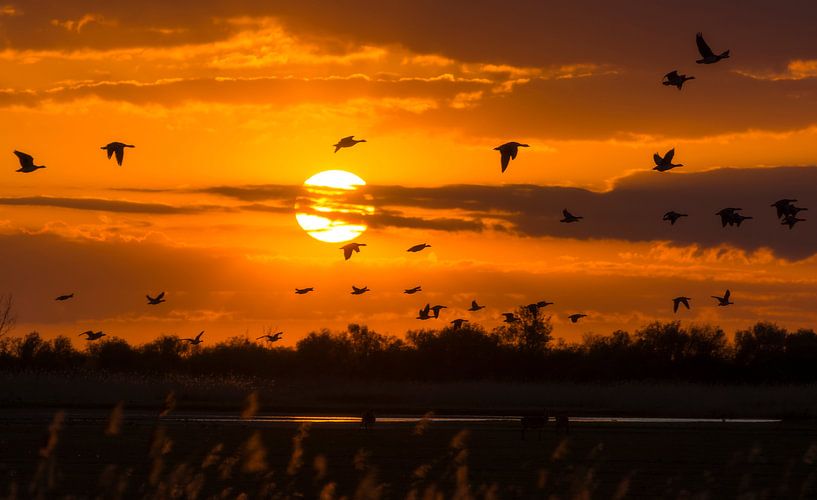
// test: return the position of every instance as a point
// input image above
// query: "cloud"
(102, 205)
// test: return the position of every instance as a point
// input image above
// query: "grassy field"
(115, 455)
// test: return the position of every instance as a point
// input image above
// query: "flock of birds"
(787, 212)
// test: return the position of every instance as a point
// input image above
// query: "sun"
(333, 206)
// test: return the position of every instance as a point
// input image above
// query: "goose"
(197, 340)
(458, 323)
(92, 335)
(674, 79)
(117, 148)
(508, 152)
(510, 318)
(570, 217)
(475, 307)
(152, 301)
(533, 308)
(737, 219)
(662, 164)
(272, 337)
(678, 301)
(791, 220)
(793, 211)
(26, 163)
(437, 310)
(359, 291)
(782, 206)
(424, 313)
(707, 56)
(65, 297)
(576, 317)
(347, 142)
(723, 301)
(673, 217)
(417, 248)
(349, 248)
(726, 215)
(304, 291)
(411, 291)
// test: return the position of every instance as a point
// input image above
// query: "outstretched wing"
(703, 48)
(198, 337)
(657, 158)
(567, 214)
(506, 159)
(347, 252)
(675, 305)
(120, 155)
(727, 295)
(160, 296)
(669, 155)
(672, 75)
(26, 160)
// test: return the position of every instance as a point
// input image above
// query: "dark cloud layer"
(103, 205)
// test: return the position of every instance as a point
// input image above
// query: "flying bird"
(791, 220)
(117, 148)
(411, 291)
(674, 79)
(533, 308)
(417, 248)
(26, 163)
(568, 217)
(707, 56)
(152, 301)
(359, 291)
(65, 297)
(673, 217)
(723, 301)
(196, 340)
(424, 312)
(458, 323)
(510, 318)
(437, 309)
(678, 301)
(351, 247)
(272, 337)
(576, 317)
(737, 219)
(304, 291)
(347, 142)
(662, 164)
(727, 215)
(475, 307)
(782, 206)
(508, 152)
(92, 335)
(793, 211)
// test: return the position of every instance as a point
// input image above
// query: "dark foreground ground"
(92, 454)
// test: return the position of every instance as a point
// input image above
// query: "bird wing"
(356, 289)
(120, 155)
(26, 160)
(672, 75)
(514, 152)
(657, 158)
(160, 296)
(567, 214)
(703, 48)
(726, 295)
(669, 155)
(346, 139)
(199, 335)
(109, 150)
(675, 303)
(347, 252)
(474, 304)
(505, 160)
(686, 303)
(149, 298)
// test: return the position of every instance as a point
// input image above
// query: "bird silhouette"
(723, 301)
(574, 318)
(662, 164)
(117, 148)
(458, 323)
(347, 142)
(737, 219)
(782, 206)
(272, 337)
(727, 215)
(152, 301)
(26, 163)
(534, 307)
(411, 291)
(707, 56)
(674, 79)
(359, 291)
(196, 340)
(678, 301)
(510, 318)
(349, 248)
(65, 297)
(793, 210)
(92, 335)
(417, 248)
(424, 313)
(791, 220)
(437, 310)
(508, 152)
(303, 291)
(475, 307)
(673, 217)
(568, 217)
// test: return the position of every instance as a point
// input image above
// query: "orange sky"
(233, 105)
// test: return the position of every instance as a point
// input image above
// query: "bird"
(417, 248)
(347, 142)
(117, 148)
(576, 317)
(662, 164)
(707, 56)
(304, 291)
(197, 340)
(723, 301)
(349, 248)
(534, 307)
(570, 217)
(411, 291)
(673, 217)
(458, 323)
(508, 152)
(152, 301)
(475, 307)
(510, 318)
(782, 206)
(737, 219)
(92, 335)
(65, 297)
(437, 310)
(680, 300)
(424, 313)
(272, 337)
(791, 220)
(359, 291)
(726, 215)
(674, 79)
(792, 210)
(26, 163)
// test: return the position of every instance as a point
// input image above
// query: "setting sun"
(335, 216)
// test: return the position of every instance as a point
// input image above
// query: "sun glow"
(332, 207)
